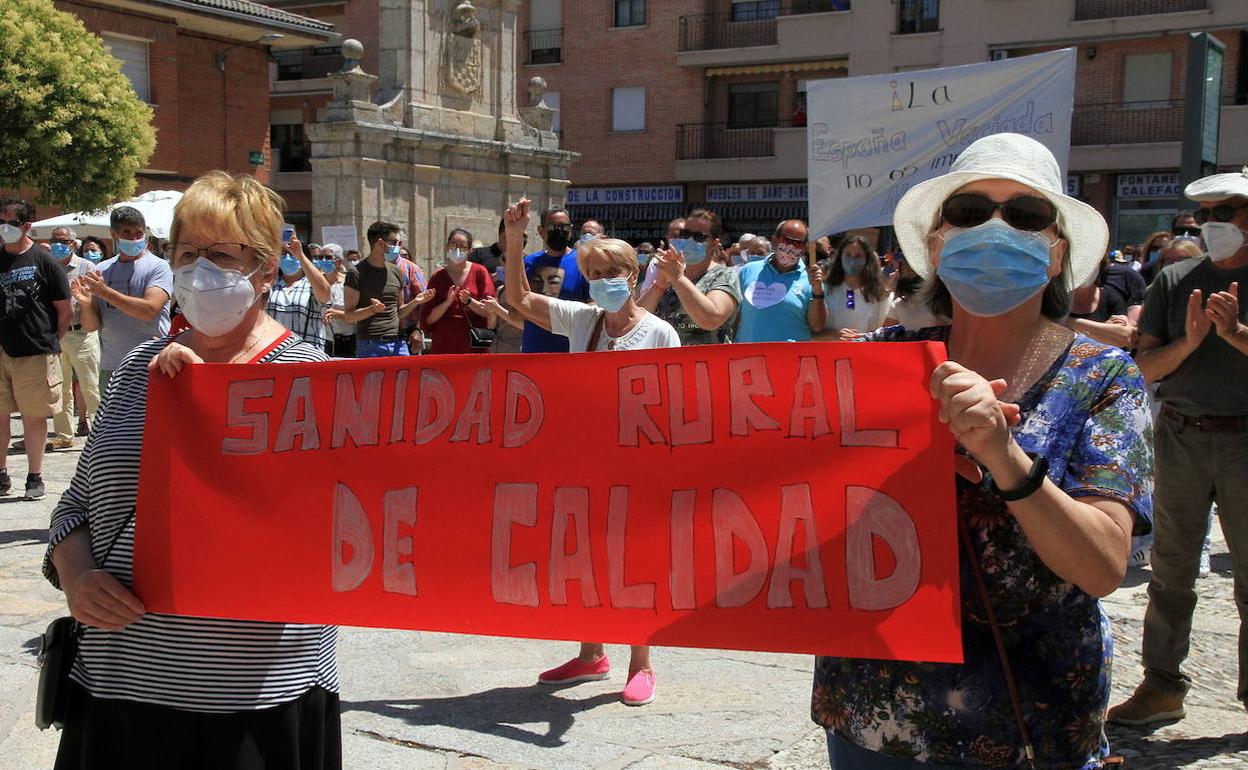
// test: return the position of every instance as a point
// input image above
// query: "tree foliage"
(74, 129)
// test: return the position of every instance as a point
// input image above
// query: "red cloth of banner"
(783, 497)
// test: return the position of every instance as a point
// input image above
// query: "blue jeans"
(371, 348)
(848, 756)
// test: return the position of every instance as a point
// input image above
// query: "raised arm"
(708, 311)
(533, 306)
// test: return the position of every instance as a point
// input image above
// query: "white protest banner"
(873, 138)
(345, 236)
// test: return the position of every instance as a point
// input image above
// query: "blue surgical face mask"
(324, 265)
(289, 265)
(991, 269)
(61, 250)
(131, 248)
(94, 256)
(853, 265)
(693, 252)
(1153, 254)
(392, 254)
(610, 293)
(643, 258)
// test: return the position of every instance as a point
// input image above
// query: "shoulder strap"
(597, 334)
(1029, 752)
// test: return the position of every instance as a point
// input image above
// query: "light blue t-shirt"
(120, 333)
(773, 304)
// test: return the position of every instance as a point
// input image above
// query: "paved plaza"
(417, 700)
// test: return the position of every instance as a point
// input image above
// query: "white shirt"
(913, 313)
(338, 301)
(576, 321)
(865, 316)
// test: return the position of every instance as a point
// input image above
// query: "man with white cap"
(1194, 341)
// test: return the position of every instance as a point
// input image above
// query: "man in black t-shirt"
(35, 313)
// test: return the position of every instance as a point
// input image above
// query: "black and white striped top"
(196, 664)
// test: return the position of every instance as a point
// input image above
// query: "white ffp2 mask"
(213, 299)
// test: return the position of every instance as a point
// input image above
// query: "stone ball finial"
(465, 8)
(352, 49)
(537, 89)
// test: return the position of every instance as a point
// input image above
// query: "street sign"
(256, 157)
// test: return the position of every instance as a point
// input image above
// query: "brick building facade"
(724, 85)
(200, 67)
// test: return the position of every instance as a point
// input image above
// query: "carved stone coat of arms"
(462, 56)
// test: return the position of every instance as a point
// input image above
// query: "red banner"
(787, 497)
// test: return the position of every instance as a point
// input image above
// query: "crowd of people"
(1062, 353)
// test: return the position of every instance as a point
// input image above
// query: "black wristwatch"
(1035, 480)
(815, 296)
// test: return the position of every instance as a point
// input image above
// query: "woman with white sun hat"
(1052, 431)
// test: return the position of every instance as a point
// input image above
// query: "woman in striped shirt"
(170, 691)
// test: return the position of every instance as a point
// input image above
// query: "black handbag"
(57, 653)
(481, 338)
(56, 658)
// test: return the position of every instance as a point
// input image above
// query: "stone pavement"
(418, 700)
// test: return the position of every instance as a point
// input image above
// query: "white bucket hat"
(1219, 186)
(1004, 156)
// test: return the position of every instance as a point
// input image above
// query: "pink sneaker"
(640, 688)
(575, 671)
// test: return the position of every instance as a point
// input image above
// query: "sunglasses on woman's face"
(694, 236)
(1220, 213)
(1025, 212)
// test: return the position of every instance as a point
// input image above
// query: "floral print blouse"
(1089, 416)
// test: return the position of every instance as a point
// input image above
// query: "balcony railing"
(307, 63)
(545, 46)
(749, 24)
(1127, 123)
(706, 141)
(1086, 10)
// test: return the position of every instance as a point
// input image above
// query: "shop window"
(753, 105)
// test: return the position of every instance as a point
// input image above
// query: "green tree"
(74, 129)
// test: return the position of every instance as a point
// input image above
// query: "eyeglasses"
(1025, 212)
(798, 242)
(62, 241)
(1223, 212)
(191, 252)
(691, 235)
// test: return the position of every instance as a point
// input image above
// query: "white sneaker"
(1205, 567)
(1140, 558)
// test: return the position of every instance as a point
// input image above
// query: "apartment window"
(304, 63)
(545, 33)
(552, 101)
(289, 148)
(753, 105)
(917, 16)
(1146, 79)
(755, 10)
(630, 13)
(628, 109)
(133, 57)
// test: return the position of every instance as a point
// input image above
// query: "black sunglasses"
(1025, 212)
(690, 235)
(1221, 213)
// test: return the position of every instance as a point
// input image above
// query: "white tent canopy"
(157, 207)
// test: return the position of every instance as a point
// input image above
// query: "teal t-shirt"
(773, 304)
